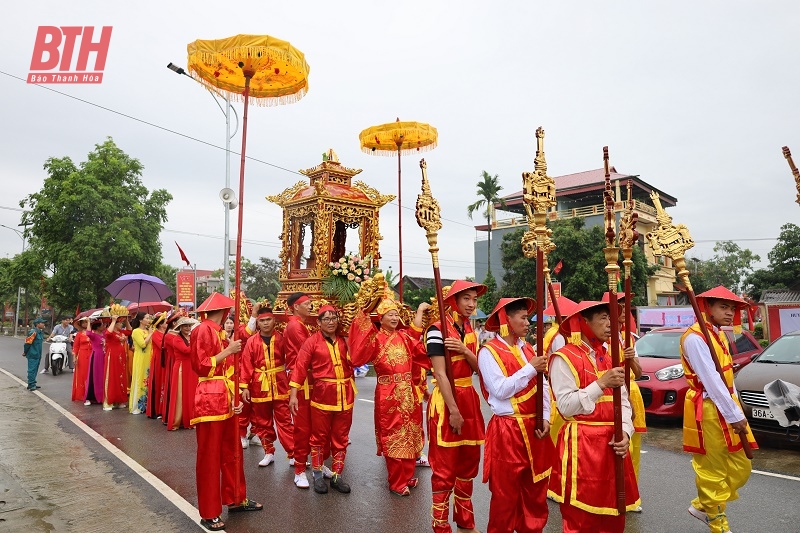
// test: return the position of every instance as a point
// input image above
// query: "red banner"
(185, 288)
(9, 311)
(557, 288)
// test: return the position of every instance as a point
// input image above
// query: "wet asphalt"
(61, 480)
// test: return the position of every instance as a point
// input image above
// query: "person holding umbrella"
(219, 467)
(32, 350)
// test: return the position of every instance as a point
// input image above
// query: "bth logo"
(54, 50)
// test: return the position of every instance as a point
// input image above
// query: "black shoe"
(339, 484)
(320, 486)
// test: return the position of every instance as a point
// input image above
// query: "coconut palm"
(488, 192)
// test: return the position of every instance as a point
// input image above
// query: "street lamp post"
(19, 289)
(227, 112)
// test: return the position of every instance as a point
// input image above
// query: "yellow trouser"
(719, 473)
(636, 452)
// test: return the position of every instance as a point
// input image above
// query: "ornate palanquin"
(325, 207)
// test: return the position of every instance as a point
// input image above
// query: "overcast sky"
(697, 98)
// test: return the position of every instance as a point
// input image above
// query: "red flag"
(557, 268)
(183, 255)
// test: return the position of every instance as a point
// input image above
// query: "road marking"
(176, 499)
(365, 400)
(773, 474)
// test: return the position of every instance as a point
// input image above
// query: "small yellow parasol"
(271, 71)
(399, 138)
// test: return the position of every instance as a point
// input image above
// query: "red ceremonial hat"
(498, 319)
(722, 293)
(460, 286)
(565, 307)
(571, 324)
(215, 302)
(607, 297)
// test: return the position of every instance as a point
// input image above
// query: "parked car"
(662, 382)
(779, 360)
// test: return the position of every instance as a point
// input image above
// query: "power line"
(184, 135)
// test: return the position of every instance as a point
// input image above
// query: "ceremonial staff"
(538, 195)
(796, 173)
(628, 236)
(429, 219)
(673, 241)
(612, 269)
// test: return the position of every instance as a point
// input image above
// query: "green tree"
(259, 280)
(488, 192)
(582, 273)
(729, 266)
(784, 265)
(414, 297)
(488, 301)
(169, 275)
(90, 223)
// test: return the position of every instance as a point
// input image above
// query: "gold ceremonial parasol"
(399, 138)
(271, 71)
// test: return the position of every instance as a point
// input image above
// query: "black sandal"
(214, 524)
(246, 505)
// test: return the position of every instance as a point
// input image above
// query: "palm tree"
(488, 192)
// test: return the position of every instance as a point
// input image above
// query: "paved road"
(66, 481)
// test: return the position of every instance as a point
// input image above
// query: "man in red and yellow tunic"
(553, 341)
(266, 386)
(397, 355)
(324, 357)
(294, 336)
(582, 378)
(455, 422)
(219, 466)
(713, 421)
(246, 331)
(517, 458)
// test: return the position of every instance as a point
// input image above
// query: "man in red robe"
(265, 386)
(325, 357)
(245, 332)
(582, 378)
(219, 466)
(518, 458)
(295, 334)
(455, 422)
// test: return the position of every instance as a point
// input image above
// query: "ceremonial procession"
(588, 356)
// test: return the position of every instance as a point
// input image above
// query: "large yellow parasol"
(399, 138)
(271, 71)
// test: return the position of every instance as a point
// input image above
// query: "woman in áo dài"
(142, 349)
(82, 351)
(116, 372)
(155, 379)
(183, 380)
(397, 356)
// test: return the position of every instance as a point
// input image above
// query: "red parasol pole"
(400, 221)
(247, 75)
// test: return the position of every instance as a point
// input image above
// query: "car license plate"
(763, 413)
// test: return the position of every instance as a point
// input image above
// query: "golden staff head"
(611, 252)
(670, 240)
(428, 214)
(796, 173)
(628, 236)
(538, 195)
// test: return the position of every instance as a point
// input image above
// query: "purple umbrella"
(139, 288)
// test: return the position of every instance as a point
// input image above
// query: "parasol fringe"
(260, 101)
(391, 150)
(238, 54)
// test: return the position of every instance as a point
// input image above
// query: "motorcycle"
(58, 354)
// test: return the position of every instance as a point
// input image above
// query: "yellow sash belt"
(264, 376)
